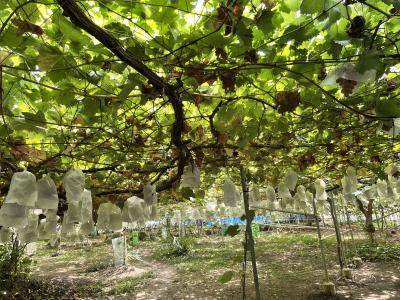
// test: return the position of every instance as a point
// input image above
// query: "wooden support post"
(337, 232)
(249, 233)
(321, 245)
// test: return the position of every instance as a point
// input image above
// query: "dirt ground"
(289, 268)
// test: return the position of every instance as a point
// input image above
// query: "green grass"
(377, 251)
(90, 288)
(98, 266)
(131, 284)
(213, 254)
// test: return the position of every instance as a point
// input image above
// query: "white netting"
(109, 217)
(13, 215)
(47, 197)
(291, 179)
(231, 193)
(74, 184)
(150, 194)
(320, 193)
(119, 249)
(22, 189)
(191, 177)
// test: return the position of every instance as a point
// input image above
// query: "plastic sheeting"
(191, 177)
(231, 193)
(47, 197)
(23, 189)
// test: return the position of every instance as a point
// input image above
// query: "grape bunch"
(347, 85)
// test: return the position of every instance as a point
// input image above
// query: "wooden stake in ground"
(337, 231)
(249, 233)
(321, 245)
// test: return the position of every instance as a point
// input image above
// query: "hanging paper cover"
(300, 194)
(191, 177)
(67, 228)
(392, 169)
(348, 185)
(309, 197)
(86, 206)
(254, 195)
(13, 215)
(150, 194)
(86, 228)
(29, 233)
(154, 212)
(47, 197)
(136, 208)
(74, 184)
(352, 174)
(283, 191)
(5, 235)
(320, 193)
(381, 188)
(176, 217)
(74, 212)
(231, 193)
(291, 180)
(116, 221)
(107, 217)
(270, 192)
(22, 189)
